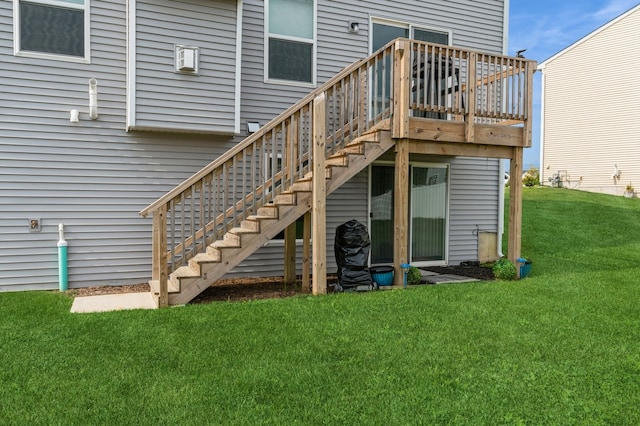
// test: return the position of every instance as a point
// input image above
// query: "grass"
(559, 347)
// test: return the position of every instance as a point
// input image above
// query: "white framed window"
(290, 41)
(55, 29)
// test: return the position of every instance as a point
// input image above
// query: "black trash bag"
(351, 248)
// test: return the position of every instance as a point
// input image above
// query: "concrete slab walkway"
(112, 302)
(446, 279)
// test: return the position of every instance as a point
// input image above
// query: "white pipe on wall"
(93, 98)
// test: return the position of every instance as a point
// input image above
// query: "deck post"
(159, 256)
(471, 98)
(401, 210)
(401, 88)
(319, 203)
(528, 105)
(306, 253)
(515, 207)
(290, 254)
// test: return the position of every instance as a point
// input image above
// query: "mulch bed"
(243, 289)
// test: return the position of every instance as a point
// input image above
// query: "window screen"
(52, 29)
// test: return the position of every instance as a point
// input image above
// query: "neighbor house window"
(52, 28)
(291, 40)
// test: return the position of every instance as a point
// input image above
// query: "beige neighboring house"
(590, 129)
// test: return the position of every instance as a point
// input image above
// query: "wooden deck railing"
(404, 78)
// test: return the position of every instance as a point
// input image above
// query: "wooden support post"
(528, 121)
(319, 204)
(306, 253)
(362, 102)
(515, 207)
(401, 210)
(290, 254)
(159, 256)
(401, 88)
(471, 98)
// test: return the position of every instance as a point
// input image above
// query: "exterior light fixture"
(354, 27)
(253, 126)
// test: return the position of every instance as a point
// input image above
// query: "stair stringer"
(197, 277)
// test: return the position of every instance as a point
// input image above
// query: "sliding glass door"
(427, 209)
(429, 194)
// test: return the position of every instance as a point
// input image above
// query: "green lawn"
(560, 347)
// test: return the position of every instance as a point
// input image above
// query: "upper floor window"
(291, 40)
(48, 28)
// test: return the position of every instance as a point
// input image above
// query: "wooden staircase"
(215, 219)
(239, 242)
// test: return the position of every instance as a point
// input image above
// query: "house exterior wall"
(591, 99)
(94, 176)
(162, 98)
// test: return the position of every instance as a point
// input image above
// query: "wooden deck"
(411, 96)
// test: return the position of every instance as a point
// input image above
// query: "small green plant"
(629, 188)
(504, 269)
(531, 177)
(414, 276)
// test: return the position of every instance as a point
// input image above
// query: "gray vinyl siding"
(474, 200)
(166, 100)
(474, 24)
(94, 176)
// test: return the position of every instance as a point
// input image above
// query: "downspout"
(505, 28)
(505, 51)
(500, 207)
(543, 168)
(63, 275)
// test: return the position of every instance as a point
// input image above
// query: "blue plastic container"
(525, 267)
(382, 275)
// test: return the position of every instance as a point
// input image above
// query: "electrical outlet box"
(34, 225)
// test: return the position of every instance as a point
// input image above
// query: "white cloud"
(613, 8)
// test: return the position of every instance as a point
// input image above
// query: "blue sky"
(545, 27)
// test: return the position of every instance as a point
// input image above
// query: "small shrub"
(531, 177)
(414, 276)
(504, 269)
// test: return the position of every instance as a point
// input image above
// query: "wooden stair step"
(302, 186)
(285, 199)
(225, 244)
(252, 224)
(184, 272)
(154, 286)
(199, 258)
(260, 218)
(354, 148)
(240, 230)
(269, 211)
(213, 252)
(338, 160)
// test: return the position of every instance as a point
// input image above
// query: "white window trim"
(314, 50)
(42, 55)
